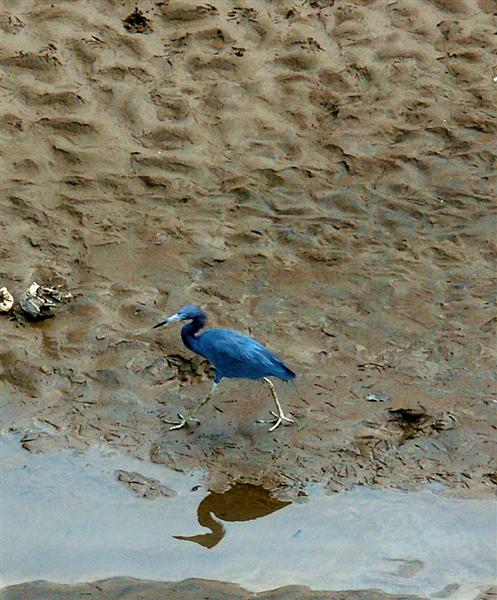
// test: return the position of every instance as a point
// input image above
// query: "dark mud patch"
(137, 22)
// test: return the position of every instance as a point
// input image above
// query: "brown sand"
(194, 589)
(320, 174)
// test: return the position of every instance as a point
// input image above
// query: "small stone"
(374, 397)
(444, 421)
(145, 487)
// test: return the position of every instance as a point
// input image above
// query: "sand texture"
(320, 174)
(194, 589)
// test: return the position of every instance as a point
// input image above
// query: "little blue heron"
(233, 354)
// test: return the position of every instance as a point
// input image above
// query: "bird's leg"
(205, 400)
(280, 415)
(189, 416)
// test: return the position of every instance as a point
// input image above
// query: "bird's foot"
(182, 423)
(280, 418)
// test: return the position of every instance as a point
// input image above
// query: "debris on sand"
(137, 22)
(411, 420)
(6, 300)
(38, 302)
(374, 397)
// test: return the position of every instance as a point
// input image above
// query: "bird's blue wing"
(237, 355)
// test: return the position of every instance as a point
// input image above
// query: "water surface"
(65, 518)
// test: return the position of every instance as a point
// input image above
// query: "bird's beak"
(171, 319)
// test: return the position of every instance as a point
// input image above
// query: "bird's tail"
(286, 373)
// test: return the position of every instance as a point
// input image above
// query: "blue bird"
(233, 354)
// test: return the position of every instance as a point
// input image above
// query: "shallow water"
(65, 518)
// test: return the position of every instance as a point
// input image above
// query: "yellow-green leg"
(184, 419)
(280, 415)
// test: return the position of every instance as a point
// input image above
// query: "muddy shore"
(194, 589)
(321, 175)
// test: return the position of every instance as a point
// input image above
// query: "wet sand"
(193, 589)
(321, 175)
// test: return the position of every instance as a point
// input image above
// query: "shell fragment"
(6, 300)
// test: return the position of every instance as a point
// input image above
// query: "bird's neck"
(188, 333)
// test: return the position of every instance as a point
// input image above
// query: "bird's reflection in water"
(242, 502)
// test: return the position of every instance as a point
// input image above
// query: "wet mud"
(320, 175)
(194, 589)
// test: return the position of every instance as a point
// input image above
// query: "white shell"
(6, 300)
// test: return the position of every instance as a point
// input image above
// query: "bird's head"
(187, 313)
